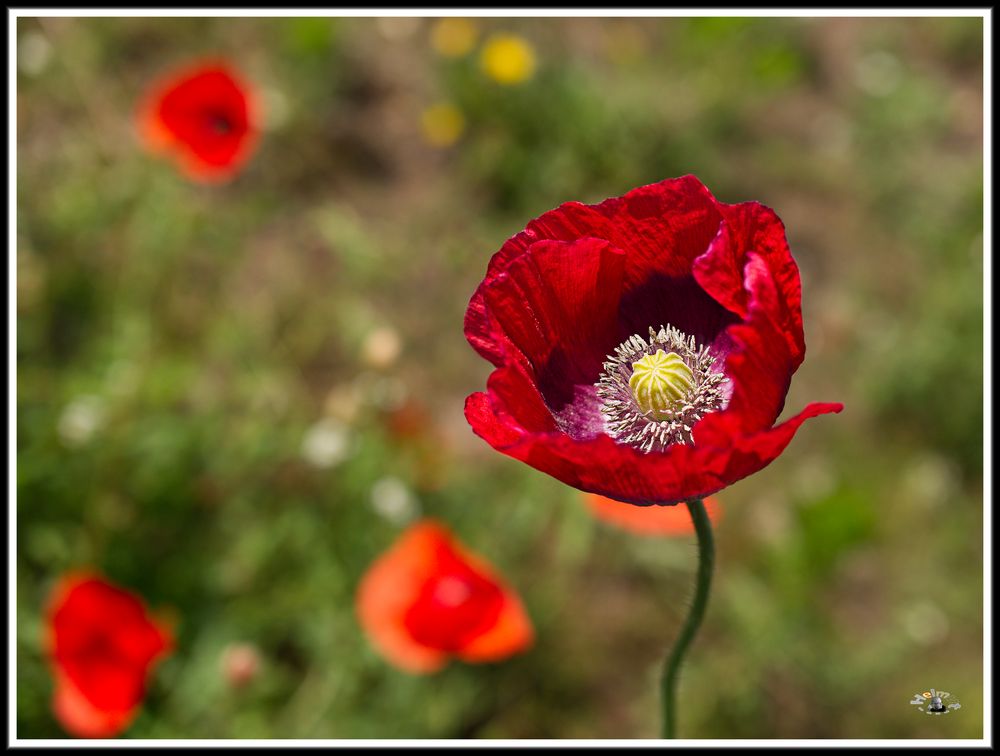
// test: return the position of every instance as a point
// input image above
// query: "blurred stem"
(671, 669)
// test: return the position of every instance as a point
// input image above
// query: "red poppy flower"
(648, 521)
(428, 599)
(102, 645)
(643, 346)
(205, 117)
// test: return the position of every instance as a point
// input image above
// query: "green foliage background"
(176, 344)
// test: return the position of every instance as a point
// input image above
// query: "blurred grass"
(176, 345)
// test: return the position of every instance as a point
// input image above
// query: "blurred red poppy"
(205, 116)
(102, 644)
(651, 521)
(428, 599)
(581, 392)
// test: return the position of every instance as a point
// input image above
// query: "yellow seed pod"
(660, 382)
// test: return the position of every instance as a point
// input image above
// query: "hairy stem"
(671, 669)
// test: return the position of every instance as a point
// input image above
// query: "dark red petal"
(491, 422)
(557, 306)
(661, 227)
(497, 428)
(746, 454)
(602, 466)
(720, 271)
(561, 296)
(753, 229)
(598, 465)
(480, 329)
(520, 399)
(759, 364)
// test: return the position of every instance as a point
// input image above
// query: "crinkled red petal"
(662, 228)
(602, 466)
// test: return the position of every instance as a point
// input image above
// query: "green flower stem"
(671, 669)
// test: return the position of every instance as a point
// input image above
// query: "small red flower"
(428, 599)
(102, 645)
(643, 346)
(204, 116)
(648, 521)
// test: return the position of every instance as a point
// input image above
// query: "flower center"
(653, 392)
(219, 124)
(659, 383)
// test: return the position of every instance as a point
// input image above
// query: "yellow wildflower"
(508, 59)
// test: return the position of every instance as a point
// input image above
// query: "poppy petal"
(428, 598)
(661, 226)
(102, 646)
(388, 589)
(79, 717)
(511, 634)
(679, 473)
(561, 295)
(205, 116)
